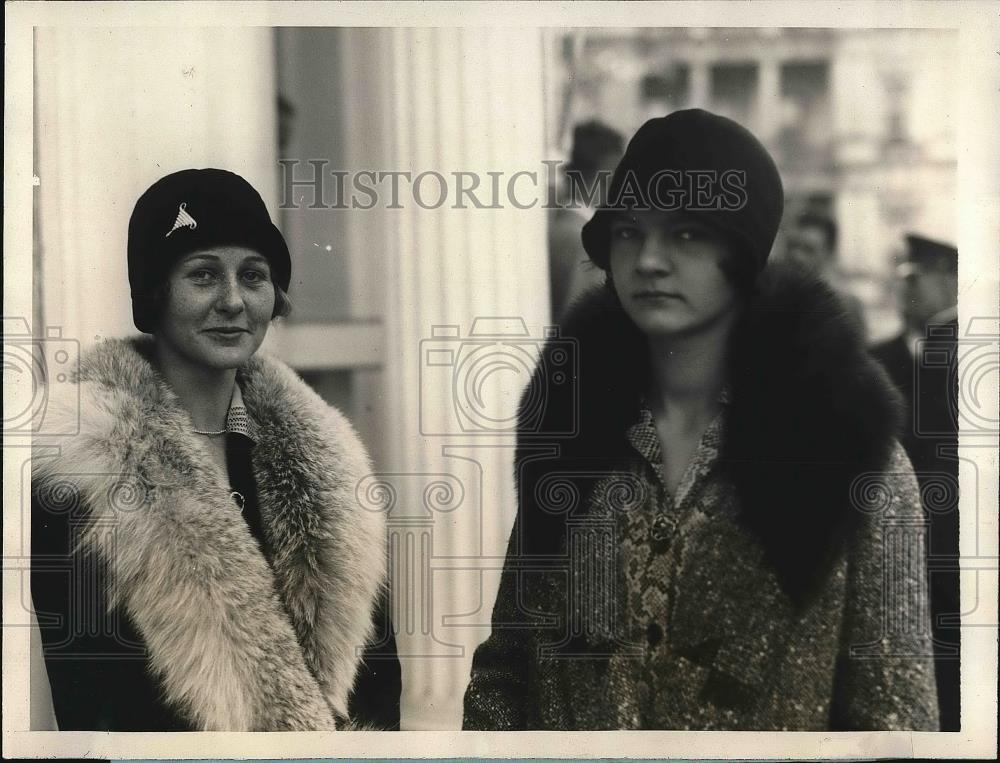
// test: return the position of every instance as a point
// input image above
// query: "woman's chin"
(660, 323)
(225, 358)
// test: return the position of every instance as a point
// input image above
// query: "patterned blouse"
(238, 420)
(652, 546)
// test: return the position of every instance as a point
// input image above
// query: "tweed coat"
(930, 436)
(798, 600)
(172, 616)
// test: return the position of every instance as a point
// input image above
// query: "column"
(445, 101)
(701, 97)
(768, 108)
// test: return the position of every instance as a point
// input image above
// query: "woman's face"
(219, 306)
(667, 274)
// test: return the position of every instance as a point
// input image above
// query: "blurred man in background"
(812, 243)
(594, 156)
(922, 363)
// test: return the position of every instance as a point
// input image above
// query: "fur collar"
(810, 411)
(237, 645)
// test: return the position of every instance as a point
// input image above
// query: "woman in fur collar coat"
(716, 526)
(200, 559)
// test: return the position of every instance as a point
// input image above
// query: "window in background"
(734, 92)
(805, 135)
(666, 90)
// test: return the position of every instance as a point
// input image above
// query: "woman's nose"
(230, 298)
(655, 255)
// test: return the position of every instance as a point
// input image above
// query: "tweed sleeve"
(498, 692)
(885, 673)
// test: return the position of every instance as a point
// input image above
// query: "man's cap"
(928, 253)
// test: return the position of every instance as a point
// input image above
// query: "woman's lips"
(227, 334)
(655, 296)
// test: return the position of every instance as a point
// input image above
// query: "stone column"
(768, 107)
(701, 96)
(449, 101)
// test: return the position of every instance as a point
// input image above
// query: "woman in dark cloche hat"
(715, 526)
(200, 561)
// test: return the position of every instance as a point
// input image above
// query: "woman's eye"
(201, 275)
(690, 234)
(624, 232)
(255, 276)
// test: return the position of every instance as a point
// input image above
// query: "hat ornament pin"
(184, 220)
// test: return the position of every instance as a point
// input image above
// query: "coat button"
(654, 634)
(663, 527)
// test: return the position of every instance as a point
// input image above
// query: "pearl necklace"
(209, 434)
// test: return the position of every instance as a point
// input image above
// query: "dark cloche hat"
(688, 147)
(191, 210)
